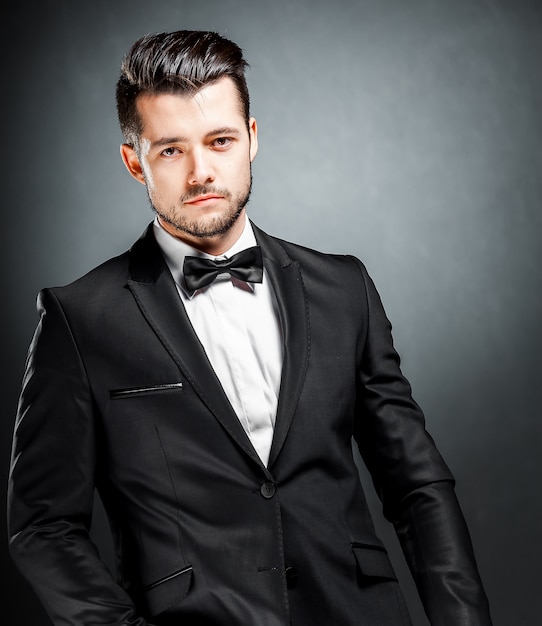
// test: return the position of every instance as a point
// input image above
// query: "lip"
(204, 199)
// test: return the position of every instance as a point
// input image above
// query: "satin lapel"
(286, 280)
(156, 295)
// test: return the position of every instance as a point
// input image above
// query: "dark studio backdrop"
(406, 132)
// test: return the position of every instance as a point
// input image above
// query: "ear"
(253, 136)
(132, 163)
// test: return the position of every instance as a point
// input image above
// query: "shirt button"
(291, 577)
(268, 490)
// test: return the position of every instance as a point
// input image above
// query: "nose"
(201, 168)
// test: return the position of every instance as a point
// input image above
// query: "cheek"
(240, 171)
(163, 181)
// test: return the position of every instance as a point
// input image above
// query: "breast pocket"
(135, 417)
(130, 392)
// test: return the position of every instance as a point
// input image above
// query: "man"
(213, 406)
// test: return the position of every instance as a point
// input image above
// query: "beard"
(211, 227)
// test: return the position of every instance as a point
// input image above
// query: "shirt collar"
(175, 250)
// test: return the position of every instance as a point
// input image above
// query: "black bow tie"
(246, 265)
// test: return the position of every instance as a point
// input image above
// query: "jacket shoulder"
(310, 258)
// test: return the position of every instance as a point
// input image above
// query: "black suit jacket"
(118, 394)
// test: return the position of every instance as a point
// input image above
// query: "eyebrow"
(225, 130)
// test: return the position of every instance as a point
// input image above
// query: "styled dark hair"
(179, 62)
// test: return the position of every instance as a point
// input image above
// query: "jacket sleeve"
(51, 483)
(414, 483)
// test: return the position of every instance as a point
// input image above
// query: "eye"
(222, 142)
(170, 152)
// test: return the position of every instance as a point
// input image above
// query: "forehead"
(217, 104)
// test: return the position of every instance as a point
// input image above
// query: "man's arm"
(51, 483)
(414, 483)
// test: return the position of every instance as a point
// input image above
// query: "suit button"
(291, 577)
(268, 490)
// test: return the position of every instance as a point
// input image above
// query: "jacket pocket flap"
(168, 591)
(373, 562)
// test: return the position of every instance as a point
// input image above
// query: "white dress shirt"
(238, 326)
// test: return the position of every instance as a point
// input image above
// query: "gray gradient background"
(407, 132)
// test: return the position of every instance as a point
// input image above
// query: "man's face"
(195, 160)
